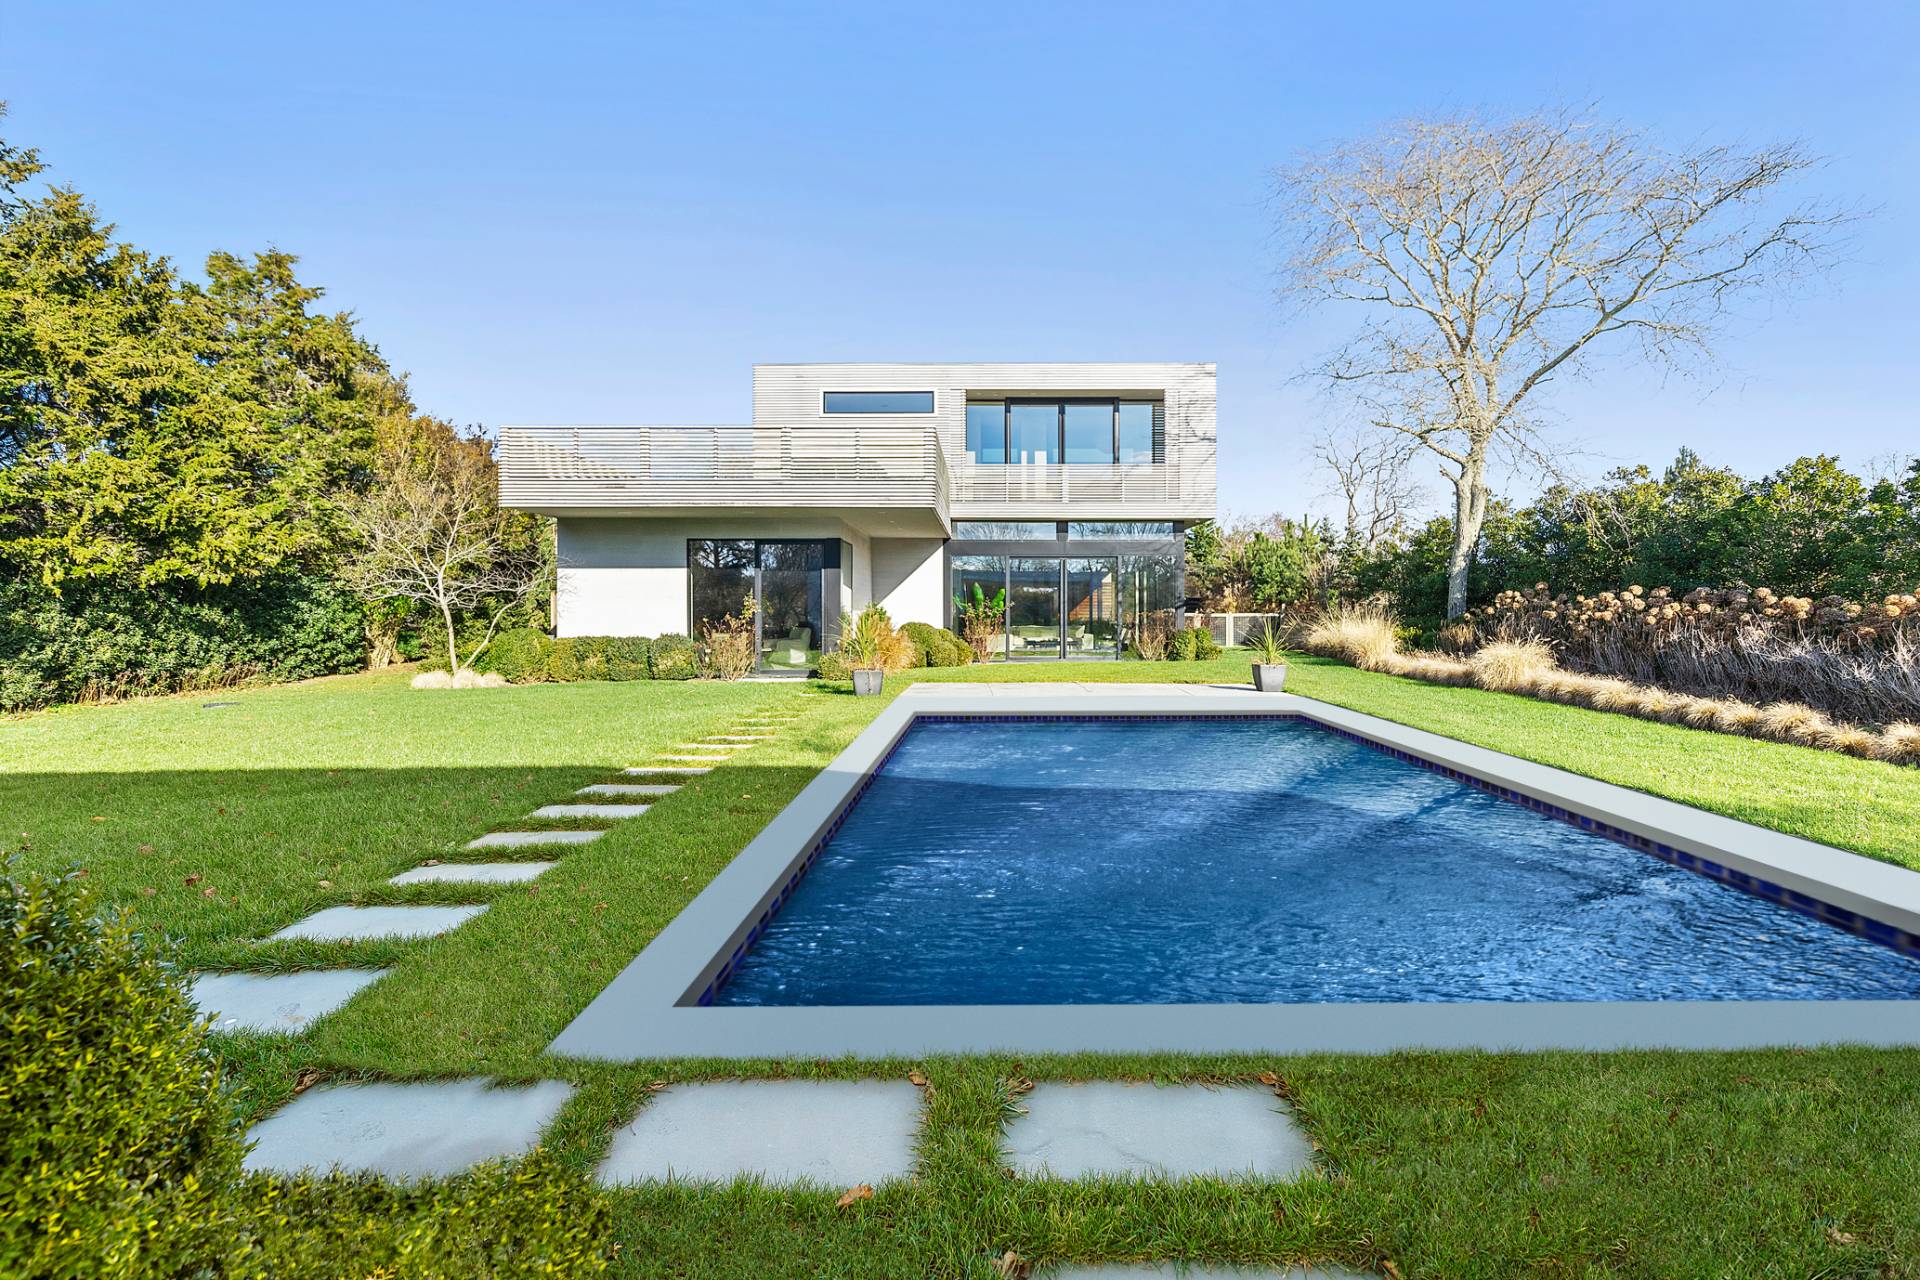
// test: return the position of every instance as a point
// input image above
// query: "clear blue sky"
(606, 213)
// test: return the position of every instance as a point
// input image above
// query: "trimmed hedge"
(519, 654)
(120, 1154)
(935, 646)
(833, 665)
(627, 657)
(563, 659)
(673, 657)
(102, 640)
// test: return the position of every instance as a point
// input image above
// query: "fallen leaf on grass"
(208, 892)
(914, 1077)
(1012, 1266)
(1019, 1084)
(861, 1192)
(1836, 1236)
(308, 1077)
(98, 818)
(1393, 1272)
(1270, 1079)
(193, 880)
(145, 848)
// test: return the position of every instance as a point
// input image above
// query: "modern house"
(1067, 486)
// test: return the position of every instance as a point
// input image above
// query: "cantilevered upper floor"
(901, 449)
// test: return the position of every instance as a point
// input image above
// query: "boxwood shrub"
(627, 657)
(120, 1152)
(591, 653)
(519, 654)
(673, 657)
(563, 659)
(1192, 644)
(935, 646)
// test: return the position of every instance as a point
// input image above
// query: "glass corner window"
(1134, 432)
(987, 430)
(876, 402)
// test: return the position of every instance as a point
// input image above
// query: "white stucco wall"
(907, 578)
(621, 577)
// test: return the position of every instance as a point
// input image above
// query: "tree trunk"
(453, 652)
(1469, 513)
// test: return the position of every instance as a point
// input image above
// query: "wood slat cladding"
(1181, 488)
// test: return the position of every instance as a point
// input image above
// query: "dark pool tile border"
(1861, 926)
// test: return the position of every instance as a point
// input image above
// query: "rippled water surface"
(1235, 861)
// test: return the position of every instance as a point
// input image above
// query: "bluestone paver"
(590, 811)
(404, 1130)
(665, 771)
(473, 873)
(1117, 1129)
(340, 924)
(280, 1002)
(525, 839)
(834, 1133)
(629, 789)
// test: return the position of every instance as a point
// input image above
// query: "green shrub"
(833, 665)
(563, 660)
(120, 1153)
(627, 658)
(96, 640)
(591, 653)
(519, 654)
(1192, 644)
(936, 647)
(673, 657)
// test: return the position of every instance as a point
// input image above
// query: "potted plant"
(1269, 654)
(871, 648)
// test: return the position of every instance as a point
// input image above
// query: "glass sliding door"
(1033, 608)
(782, 583)
(983, 577)
(791, 605)
(1033, 432)
(1092, 608)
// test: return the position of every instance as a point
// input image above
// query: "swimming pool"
(1064, 868)
(1252, 860)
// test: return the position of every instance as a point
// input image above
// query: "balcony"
(767, 467)
(989, 491)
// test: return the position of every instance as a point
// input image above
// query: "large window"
(783, 584)
(1077, 606)
(1006, 530)
(1078, 431)
(876, 402)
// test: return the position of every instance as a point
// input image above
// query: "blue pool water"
(1252, 861)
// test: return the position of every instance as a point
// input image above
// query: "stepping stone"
(709, 759)
(1145, 1130)
(723, 748)
(589, 811)
(628, 789)
(523, 839)
(340, 924)
(663, 770)
(282, 1002)
(474, 873)
(1189, 1271)
(404, 1130)
(741, 737)
(834, 1133)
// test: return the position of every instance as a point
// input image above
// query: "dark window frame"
(1007, 404)
(933, 404)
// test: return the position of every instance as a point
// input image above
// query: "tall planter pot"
(867, 684)
(1268, 677)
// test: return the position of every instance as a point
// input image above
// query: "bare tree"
(432, 532)
(1372, 478)
(1495, 256)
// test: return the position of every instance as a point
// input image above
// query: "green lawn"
(1794, 1163)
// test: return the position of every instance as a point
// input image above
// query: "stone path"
(404, 1130)
(526, 839)
(629, 789)
(276, 1002)
(473, 873)
(1115, 1129)
(359, 924)
(834, 1133)
(616, 812)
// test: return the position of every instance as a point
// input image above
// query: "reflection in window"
(1092, 607)
(722, 573)
(988, 574)
(1119, 530)
(876, 402)
(1007, 530)
(1033, 608)
(1089, 431)
(1033, 433)
(987, 430)
(1136, 431)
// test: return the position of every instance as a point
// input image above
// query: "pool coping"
(650, 1009)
